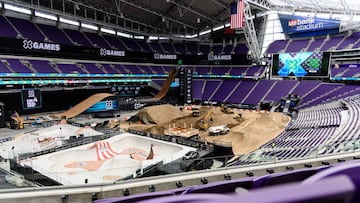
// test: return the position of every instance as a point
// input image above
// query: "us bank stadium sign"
(111, 52)
(295, 24)
(33, 45)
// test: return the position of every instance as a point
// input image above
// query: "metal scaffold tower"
(250, 32)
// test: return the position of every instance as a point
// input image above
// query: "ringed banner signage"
(44, 46)
(296, 24)
(219, 57)
(158, 56)
(111, 52)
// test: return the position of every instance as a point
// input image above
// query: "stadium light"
(17, 9)
(204, 32)
(139, 37)
(46, 16)
(67, 21)
(113, 32)
(88, 26)
(218, 28)
(121, 34)
(153, 38)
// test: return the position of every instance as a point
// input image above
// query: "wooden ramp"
(85, 104)
(166, 86)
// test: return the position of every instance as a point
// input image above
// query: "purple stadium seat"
(97, 40)
(135, 198)
(277, 46)
(297, 45)
(223, 187)
(316, 44)
(284, 177)
(6, 30)
(191, 198)
(54, 34)
(350, 170)
(115, 42)
(325, 191)
(27, 29)
(78, 37)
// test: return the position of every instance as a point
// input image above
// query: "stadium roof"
(175, 17)
(327, 6)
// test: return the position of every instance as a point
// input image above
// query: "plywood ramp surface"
(85, 104)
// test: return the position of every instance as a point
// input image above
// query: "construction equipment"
(204, 125)
(16, 121)
(219, 130)
(195, 112)
(225, 109)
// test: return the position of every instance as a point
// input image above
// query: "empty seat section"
(224, 90)
(297, 45)
(252, 71)
(349, 41)
(157, 47)
(18, 67)
(316, 44)
(158, 69)
(228, 48)
(134, 69)
(54, 34)
(180, 48)
(146, 69)
(115, 42)
(304, 87)
(27, 29)
(204, 49)
(168, 48)
(92, 68)
(197, 88)
(145, 46)
(241, 49)
(109, 69)
(280, 89)
(331, 43)
(131, 44)
(78, 37)
(192, 48)
(219, 70)
(241, 91)
(97, 40)
(4, 68)
(217, 49)
(210, 87)
(70, 68)
(201, 70)
(6, 30)
(237, 71)
(277, 46)
(258, 92)
(42, 66)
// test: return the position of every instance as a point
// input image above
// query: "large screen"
(302, 64)
(31, 98)
(107, 105)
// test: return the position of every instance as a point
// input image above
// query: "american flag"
(237, 15)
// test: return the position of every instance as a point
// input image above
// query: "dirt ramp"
(159, 114)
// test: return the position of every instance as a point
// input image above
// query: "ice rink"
(107, 160)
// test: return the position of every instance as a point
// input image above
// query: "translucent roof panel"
(320, 5)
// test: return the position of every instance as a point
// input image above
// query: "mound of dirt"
(160, 114)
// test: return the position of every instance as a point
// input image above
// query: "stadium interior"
(179, 101)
